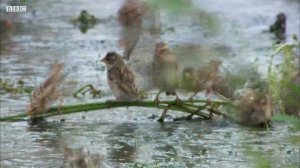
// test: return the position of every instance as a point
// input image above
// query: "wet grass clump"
(85, 21)
(284, 78)
(18, 87)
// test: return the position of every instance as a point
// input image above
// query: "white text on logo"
(15, 8)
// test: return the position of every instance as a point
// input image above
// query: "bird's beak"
(103, 60)
(165, 47)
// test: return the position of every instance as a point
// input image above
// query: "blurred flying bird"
(222, 87)
(279, 27)
(130, 17)
(205, 78)
(7, 28)
(78, 158)
(120, 78)
(47, 93)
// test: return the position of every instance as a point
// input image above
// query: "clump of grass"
(85, 21)
(284, 79)
(18, 87)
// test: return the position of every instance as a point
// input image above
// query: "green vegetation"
(87, 88)
(195, 109)
(186, 7)
(85, 21)
(294, 123)
(19, 87)
(282, 78)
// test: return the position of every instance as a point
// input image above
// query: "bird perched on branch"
(165, 71)
(202, 79)
(221, 86)
(120, 78)
(130, 17)
(47, 93)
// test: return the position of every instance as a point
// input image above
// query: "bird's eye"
(112, 57)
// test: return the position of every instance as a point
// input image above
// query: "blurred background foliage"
(186, 7)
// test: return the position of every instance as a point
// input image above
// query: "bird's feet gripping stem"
(191, 99)
(178, 100)
(156, 100)
(162, 115)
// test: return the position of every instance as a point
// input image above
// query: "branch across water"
(184, 106)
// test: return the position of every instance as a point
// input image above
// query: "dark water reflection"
(123, 146)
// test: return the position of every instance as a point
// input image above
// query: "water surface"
(120, 137)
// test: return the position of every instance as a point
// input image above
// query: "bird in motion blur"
(279, 28)
(120, 78)
(47, 93)
(222, 87)
(78, 158)
(165, 71)
(205, 78)
(130, 17)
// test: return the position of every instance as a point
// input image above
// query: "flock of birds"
(165, 77)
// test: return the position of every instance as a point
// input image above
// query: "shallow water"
(118, 137)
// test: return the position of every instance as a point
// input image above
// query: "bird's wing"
(156, 71)
(44, 95)
(171, 74)
(130, 19)
(130, 80)
(123, 78)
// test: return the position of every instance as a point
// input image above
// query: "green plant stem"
(87, 88)
(70, 109)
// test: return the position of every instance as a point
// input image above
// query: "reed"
(197, 108)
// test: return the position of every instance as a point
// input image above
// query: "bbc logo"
(15, 8)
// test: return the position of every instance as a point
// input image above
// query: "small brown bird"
(130, 17)
(202, 79)
(209, 74)
(165, 71)
(47, 93)
(191, 81)
(222, 87)
(120, 78)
